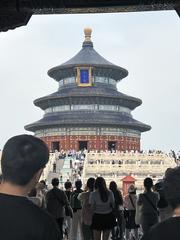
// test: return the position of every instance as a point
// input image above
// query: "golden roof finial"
(87, 33)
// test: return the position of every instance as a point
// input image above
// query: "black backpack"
(75, 202)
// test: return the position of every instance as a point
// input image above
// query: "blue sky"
(146, 44)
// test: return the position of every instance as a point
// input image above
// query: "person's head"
(116, 192)
(43, 184)
(23, 159)
(113, 186)
(132, 189)
(100, 182)
(172, 187)
(78, 184)
(68, 185)
(100, 185)
(39, 186)
(55, 182)
(148, 183)
(159, 186)
(90, 184)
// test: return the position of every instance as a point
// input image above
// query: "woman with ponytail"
(102, 203)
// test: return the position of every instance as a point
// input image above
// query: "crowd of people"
(28, 210)
(78, 155)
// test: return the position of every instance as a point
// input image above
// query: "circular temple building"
(88, 111)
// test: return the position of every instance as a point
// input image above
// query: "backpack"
(75, 202)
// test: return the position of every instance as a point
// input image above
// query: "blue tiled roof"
(89, 92)
(87, 56)
(88, 118)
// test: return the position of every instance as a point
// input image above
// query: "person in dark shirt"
(68, 210)
(56, 201)
(169, 229)
(118, 210)
(165, 211)
(148, 201)
(22, 162)
(77, 211)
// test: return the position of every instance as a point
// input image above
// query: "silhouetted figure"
(68, 210)
(165, 210)
(118, 211)
(148, 200)
(23, 160)
(169, 229)
(77, 211)
(56, 200)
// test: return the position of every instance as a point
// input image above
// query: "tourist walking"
(87, 210)
(68, 210)
(23, 160)
(130, 211)
(117, 232)
(169, 228)
(56, 201)
(102, 203)
(148, 202)
(76, 229)
(165, 210)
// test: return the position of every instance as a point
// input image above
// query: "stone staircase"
(66, 171)
(57, 168)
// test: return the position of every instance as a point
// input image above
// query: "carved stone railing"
(115, 166)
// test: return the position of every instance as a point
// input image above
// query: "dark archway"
(83, 145)
(111, 145)
(55, 146)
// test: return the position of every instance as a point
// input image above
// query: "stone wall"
(93, 142)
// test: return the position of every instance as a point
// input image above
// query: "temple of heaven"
(88, 111)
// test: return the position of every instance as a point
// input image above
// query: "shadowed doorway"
(55, 146)
(111, 146)
(83, 145)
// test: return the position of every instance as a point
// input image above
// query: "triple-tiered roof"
(103, 91)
